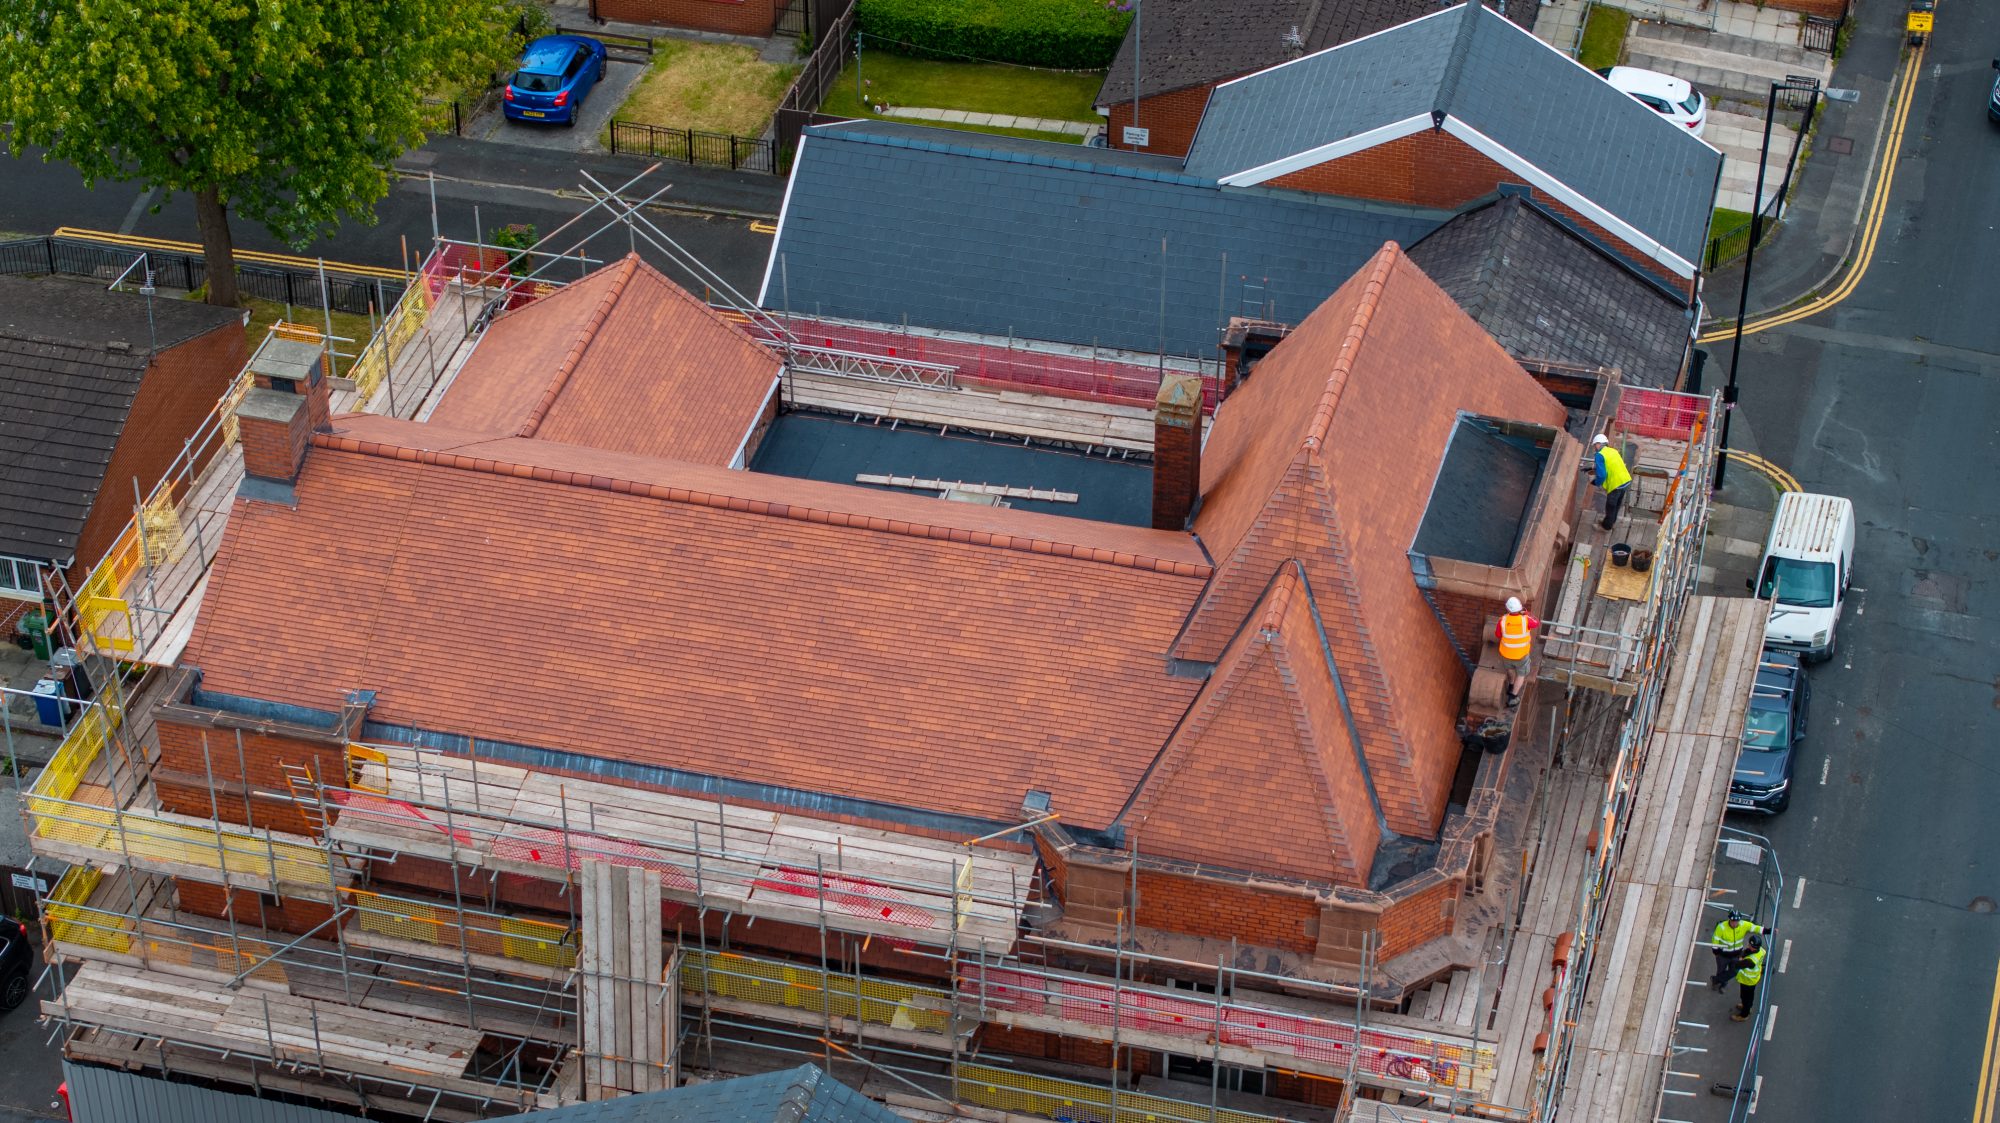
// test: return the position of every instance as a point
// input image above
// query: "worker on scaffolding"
(1608, 471)
(1749, 972)
(1732, 939)
(1515, 631)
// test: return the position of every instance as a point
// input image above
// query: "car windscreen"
(537, 83)
(1693, 103)
(1767, 729)
(1801, 584)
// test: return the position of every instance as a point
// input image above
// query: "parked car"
(1673, 98)
(1807, 565)
(1771, 735)
(556, 73)
(17, 963)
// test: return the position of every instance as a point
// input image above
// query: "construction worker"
(1731, 938)
(1515, 631)
(1609, 472)
(1749, 972)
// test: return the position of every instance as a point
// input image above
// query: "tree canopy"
(288, 112)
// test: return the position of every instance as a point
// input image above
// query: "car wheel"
(14, 991)
(1782, 802)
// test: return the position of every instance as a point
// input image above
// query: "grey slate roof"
(1545, 291)
(109, 1095)
(1474, 66)
(1187, 43)
(64, 398)
(805, 1094)
(1480, 496)
(966, 232)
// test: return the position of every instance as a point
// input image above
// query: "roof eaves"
(1024, 543)
(1359, 142)
(1048, 160)
(784, 209)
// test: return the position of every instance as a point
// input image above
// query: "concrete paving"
(1724, 66)
(604, 100)
(1740, 137)
(992, 120)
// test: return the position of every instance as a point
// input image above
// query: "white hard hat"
(1513, 604)
(1600, 439)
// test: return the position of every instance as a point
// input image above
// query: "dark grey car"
(1771, 735)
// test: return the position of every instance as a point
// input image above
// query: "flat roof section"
(816, 446)
(1481, 495)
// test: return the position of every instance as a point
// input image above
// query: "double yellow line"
(1872, 223)
(1785, 480)
(1982, 1107)
(255, 257)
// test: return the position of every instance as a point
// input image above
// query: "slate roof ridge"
(582, 343)
(1378, 274)
(1461, 46)
(1003, 156)
(743, 500)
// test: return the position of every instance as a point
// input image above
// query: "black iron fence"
(297, 285)
(1821, 34)
(831, 46)
(689, 146)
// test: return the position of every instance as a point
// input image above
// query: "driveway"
(619, 78)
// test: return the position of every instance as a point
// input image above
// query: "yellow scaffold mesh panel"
(101, 608)
(772, 982)
(232, 429)
(536, 941)
(163, 538)
(381, 353)
(72, 922)
(49, 801)
(521, 938)
(1008, 1090)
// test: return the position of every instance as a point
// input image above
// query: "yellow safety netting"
(1009, 1090)
(71, 922)
(774, 982)
(396, 332)
(520, 938)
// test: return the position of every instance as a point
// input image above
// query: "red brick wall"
(1465, 618)
(1432, 168)
(1174, 903)
(1418, 919)
(1171, 118)
(183, 777)
(176, 393)
(1832, 9)
(292, 915)
(274, 450)
(1317, 1091)
(736, 17)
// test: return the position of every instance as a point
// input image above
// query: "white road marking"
(1784, 960)
(1800, 895)
(1824, 765)
(1755, 1090)
(1771, 1021)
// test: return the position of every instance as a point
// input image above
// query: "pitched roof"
(805, 1094)
(1192, 42)
(1051, 241)
(1313, 459)
(65, 396)
(1544, 291)
(819, 637)
(1480, 77)
(623, 360)
(1265, 750)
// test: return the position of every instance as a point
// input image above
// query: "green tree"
(287, 112)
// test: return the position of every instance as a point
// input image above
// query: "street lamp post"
(1793, 84)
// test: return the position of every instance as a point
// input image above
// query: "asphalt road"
(1892, 846)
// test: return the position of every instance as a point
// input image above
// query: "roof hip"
(584, 337)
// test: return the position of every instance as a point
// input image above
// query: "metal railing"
(80, 254)
(692, 146)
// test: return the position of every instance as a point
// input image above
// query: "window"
(575, 66)
(20, 579)
(1801, 584)
(536, 83)
(1767, 729)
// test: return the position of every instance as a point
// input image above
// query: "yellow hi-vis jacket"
(1611, 471)
(1750, 970)
(1734, 935)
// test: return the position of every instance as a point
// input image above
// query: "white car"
(1670, 97)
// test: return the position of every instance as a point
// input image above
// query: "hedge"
(1063, 34)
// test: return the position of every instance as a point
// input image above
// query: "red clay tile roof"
(828, 638)
(1262, 776)
(622, 360)
(1325, 455)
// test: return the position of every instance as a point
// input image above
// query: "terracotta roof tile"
(622, 360)
(1326, 455)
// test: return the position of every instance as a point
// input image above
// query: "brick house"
(1187, 47)
(569, 613)
(99, 391)
(731, 17)
(1447, 109)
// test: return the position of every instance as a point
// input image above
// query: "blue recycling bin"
(49, 702)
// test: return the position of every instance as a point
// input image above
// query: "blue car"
(556, 73)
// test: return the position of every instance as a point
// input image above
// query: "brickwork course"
(732, 17)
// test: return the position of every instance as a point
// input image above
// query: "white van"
(1807, 566)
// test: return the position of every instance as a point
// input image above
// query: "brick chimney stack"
(288, 401)
(1176, 451)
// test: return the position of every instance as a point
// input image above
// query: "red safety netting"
(1074, 376)
(478, 265)
(852, 895)
(1660, 413)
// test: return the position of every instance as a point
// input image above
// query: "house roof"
(1483, 79)
(1195, 42)
(1479, 500)
(72, 357)
(818, 637)
(1053, 242)
(1544, 291)
(623, 360)
(805, 1094)
(1315, 458)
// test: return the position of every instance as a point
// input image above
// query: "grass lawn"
(264, 313)
(976, 87)
(708, 87)
(1604, 37)
(1729, 234)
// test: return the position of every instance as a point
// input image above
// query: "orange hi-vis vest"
(1514, 638)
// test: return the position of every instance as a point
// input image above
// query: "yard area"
(903, 82)
(707, 87)
(264, 313)
(1604, 37)
(1729, 234)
